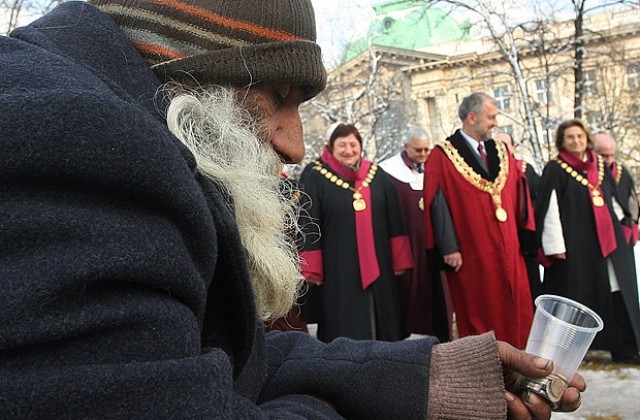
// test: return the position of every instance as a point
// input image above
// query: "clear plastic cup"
(562, 331)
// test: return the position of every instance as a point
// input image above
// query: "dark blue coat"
(124, 289)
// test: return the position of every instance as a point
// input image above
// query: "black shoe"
(633, 359)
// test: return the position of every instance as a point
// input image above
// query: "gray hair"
(473, 103)
(416, 133)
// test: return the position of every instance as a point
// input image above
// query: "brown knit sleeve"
(465, 380)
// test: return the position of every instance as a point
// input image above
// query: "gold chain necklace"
(358, 202)
(494, 189)
(596, 196)
(619, 174)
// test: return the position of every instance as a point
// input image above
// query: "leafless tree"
(517, 32)
(18, 12)
(361, 92)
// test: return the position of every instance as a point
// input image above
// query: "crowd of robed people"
(483, 246)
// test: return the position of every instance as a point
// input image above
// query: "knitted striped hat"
(238, 42)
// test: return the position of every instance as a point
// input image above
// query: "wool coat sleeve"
(121, 296)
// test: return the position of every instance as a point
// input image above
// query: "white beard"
(222, 136)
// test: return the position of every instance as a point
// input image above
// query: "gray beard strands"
(224, 140)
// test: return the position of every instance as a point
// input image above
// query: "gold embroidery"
(494, 189)
(619, 174)
(594, 192)
(358, 202)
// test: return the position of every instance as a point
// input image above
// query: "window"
(589, 83)
(633, 76)
(502, 97)
(543, 91)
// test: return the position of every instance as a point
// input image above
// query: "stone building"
(398, 79)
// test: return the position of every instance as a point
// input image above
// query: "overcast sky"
(339, 21)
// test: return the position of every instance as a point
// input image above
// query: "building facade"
(385, 90)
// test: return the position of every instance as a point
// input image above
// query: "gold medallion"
(596, 196)
(359, 204)
(597, 200)
(501, 214)
(421, 203)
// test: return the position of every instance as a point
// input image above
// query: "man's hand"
(454, 260)
(526, 404)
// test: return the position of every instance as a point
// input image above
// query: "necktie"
(419, 167)
(483, 155)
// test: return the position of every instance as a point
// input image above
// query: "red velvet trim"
(530, 223)
(604, 222)
(627, 233)
(401, 253)
(543, 260)
(614, 170)
(369, 269)
(311, 265)
(630, 233)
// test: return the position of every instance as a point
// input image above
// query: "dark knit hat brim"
(295, 62)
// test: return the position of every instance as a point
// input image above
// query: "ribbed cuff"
(465, 380)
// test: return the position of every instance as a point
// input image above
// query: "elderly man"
(605, 145)
(144, 240)
(422, 299)
(474, 207)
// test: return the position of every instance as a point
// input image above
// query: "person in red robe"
(422, 298)
(473, 212)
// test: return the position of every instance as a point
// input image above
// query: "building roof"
(409, 24)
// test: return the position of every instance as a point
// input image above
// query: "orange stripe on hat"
(154, 49)
(230, 23)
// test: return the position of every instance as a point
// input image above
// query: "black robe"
(583, 276)
(346, 309)
(530, 257)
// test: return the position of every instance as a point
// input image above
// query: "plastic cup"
(562, 331)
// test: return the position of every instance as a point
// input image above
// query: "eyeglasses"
(421, 149)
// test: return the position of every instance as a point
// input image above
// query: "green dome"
(409, 24)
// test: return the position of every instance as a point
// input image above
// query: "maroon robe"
(491, 289)
(422, 299)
